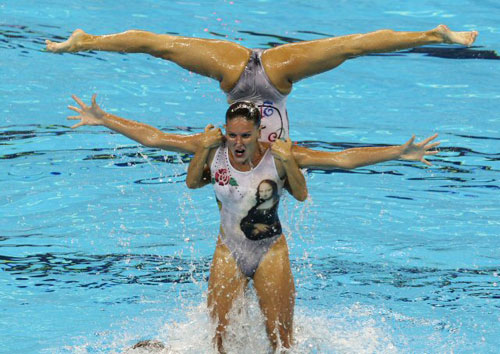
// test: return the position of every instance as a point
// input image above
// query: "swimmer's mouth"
(239, 152)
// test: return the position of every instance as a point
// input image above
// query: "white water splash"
(356, 329)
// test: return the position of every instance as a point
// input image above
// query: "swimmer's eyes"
(244, 135)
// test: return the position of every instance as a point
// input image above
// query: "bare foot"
(451, 37)
(70, 45)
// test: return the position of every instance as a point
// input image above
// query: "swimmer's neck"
(252, 161)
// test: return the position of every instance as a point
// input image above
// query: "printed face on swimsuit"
(265, 191)
(242, 136)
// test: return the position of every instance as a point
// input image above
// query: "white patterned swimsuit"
(238, 193)
(254, 85)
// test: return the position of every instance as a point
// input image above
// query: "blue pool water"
(102, 245)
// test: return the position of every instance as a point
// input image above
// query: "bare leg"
(275, 288)
(225, 285)
(290, 63)
(218, 59)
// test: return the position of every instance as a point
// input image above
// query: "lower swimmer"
(239, 165)
(238, 258)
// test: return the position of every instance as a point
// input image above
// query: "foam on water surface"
(354, 329)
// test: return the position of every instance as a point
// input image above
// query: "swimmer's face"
(265, 191)
(242, 138)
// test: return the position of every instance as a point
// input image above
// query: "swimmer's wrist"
(287, 159)
(105, 118)
(400, 151)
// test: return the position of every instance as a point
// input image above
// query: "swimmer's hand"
(260, 228)
(282, 150)
(88, 115)
(417, 152)
(211, 138)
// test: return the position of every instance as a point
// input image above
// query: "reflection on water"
(51, 271)
(436, 287)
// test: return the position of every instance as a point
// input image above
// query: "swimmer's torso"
(237, 193)
(254, 85)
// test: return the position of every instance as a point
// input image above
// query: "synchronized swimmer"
(251, 163)
(264, 77)
(241, 168)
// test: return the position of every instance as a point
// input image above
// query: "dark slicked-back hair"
(245, 109)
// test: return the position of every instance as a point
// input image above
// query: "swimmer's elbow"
(152, 141)
(195, 184)
(302, 195)
(191, 184)
(347, 166)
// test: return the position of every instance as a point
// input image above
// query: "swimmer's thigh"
(226, 284)
(275, 288)
(219, 59)
(289, 63)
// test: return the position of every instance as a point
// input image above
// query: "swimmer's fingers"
(427, 153)
(425, 161)
(80, 118)
(429, 139)
(409, 142)
(76, 109)
(77, 125)
(79, 101)
(433, 145)
(417, 151)
(211, 137)
(431, 148)
(282, 150)
(279, 144)
(94, 103)
(434, 152)
(288, 143)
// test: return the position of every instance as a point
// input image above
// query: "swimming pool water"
(102, 245)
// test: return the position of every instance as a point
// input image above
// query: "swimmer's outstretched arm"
(358, 157)
(140, 132)
(209, 140)
(287, 166)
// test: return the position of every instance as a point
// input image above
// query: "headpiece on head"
(245, 109)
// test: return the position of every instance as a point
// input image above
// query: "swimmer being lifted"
(248, 177)
(264, 77)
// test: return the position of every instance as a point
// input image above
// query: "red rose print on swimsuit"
(222, 177)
